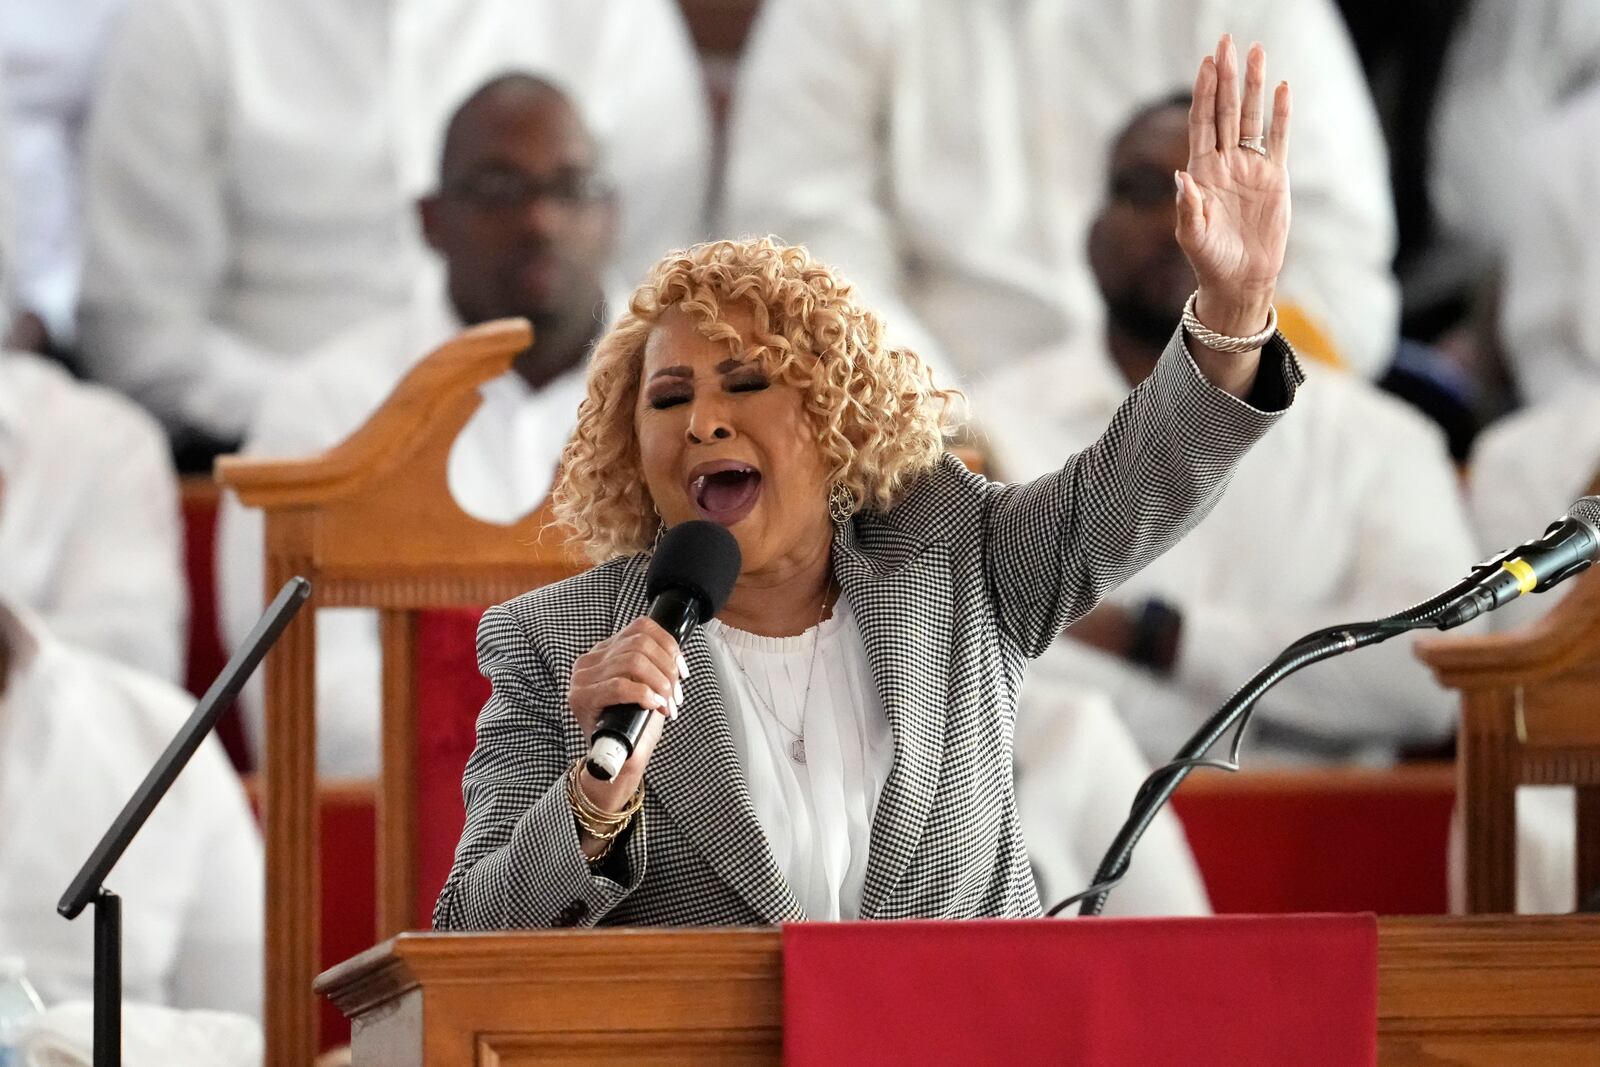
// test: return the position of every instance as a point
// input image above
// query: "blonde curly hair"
(879, 418)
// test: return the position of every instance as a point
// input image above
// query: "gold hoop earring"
(841, 504)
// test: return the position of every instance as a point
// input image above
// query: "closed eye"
(662, 401)
(748, 385)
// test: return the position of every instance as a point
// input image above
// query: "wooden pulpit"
(1470, 992)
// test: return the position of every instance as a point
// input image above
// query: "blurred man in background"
(251, 166)
(1347, 511)
(523, 220)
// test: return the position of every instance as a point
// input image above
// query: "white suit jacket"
(252, 167)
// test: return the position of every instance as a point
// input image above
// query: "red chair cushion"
(450, 693)
(206, 653)
(1303, 842)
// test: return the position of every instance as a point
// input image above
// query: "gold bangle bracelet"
(596, 822)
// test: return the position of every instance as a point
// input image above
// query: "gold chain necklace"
(797, 744)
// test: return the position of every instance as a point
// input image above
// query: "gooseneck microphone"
(1568, 546)
(691, 576)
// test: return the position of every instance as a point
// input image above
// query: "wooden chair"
(1530, 715)
(372, 524)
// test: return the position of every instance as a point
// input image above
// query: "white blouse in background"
(817, 815)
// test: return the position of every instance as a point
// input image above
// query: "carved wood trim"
(397, 796)
(1487, 795)
(289, 820)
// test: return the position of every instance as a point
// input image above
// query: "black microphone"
(1570, 544)
(691, 576)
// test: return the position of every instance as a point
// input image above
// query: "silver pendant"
(797, 750)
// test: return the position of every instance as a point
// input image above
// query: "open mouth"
(724, 492)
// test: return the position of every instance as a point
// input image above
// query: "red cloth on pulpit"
(1234, 990)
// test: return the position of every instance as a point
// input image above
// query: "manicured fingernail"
(657, 701)
(671, 715)
(677, 692)
(1177, 179)
(683, 666)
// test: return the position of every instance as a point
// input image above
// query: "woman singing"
(840, 743)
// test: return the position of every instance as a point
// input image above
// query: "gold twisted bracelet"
(595, 821)
(1221, 342)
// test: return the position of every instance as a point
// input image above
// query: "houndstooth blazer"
(954, 589)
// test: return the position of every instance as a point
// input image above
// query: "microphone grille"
(1587, 511)
(699, 557)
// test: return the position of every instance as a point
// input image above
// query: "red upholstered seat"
(1333, 840)
(206, 653)
(450, 693)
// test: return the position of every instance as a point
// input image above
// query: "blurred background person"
(7, 220)
(250, 166)
(89, 532)
(50, 54)
(78, 733)
(1347, 511)
(523, 219)
(1550, 268)
(1511, 65)
(945, 155)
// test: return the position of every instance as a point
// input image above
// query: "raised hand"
(1233, 199)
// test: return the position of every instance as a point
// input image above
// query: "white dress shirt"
(50, 55)
(501, 467)
(1526, 471)
(1077, 772)
(1347, 511)
(77, 735)
(816, 688)
(90, 533)
(948, 155)
(251, 168)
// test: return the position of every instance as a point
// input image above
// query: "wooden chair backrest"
(372, 523)
(1530, 715)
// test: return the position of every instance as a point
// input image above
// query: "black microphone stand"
(88, 887)
(1235, 714)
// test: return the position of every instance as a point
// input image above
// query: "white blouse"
(817, 814)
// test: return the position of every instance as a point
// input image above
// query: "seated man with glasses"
(523, 222)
